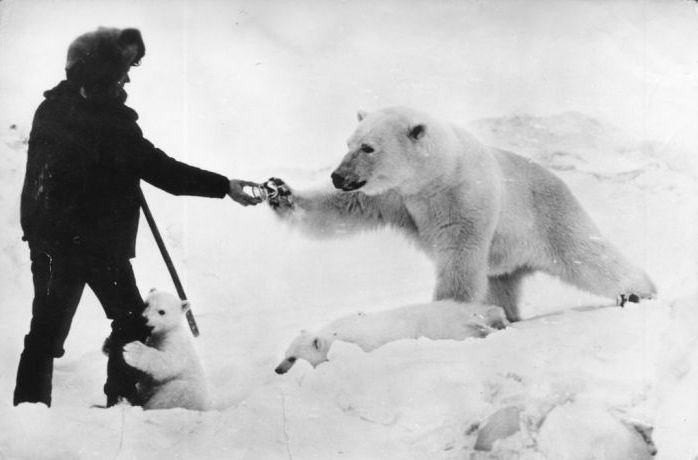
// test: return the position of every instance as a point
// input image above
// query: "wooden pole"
(168, 260)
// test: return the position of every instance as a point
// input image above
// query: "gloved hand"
(237, 192)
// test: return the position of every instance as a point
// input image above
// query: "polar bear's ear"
(185, 305)
(152, 290)
(361, 114)
(417, 131)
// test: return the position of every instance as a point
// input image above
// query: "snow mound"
(575, 141)
(578, 430)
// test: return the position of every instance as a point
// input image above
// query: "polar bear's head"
(391, 148)
(308, 346)
(164, 311)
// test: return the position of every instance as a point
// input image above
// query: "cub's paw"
(279, 195)
(135, 354)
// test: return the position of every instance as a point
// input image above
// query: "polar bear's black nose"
(337, 180)
(347, 183)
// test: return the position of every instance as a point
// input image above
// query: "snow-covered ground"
(602, 93)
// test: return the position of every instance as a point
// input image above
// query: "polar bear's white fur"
(446, 319)
(486, 217)
(173, 373)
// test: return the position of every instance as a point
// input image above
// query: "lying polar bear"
(445, 319)
(173, 373)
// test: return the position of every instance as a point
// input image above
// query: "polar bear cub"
(441, 320)
(173, 376)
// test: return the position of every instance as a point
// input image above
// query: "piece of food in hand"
(256, 191)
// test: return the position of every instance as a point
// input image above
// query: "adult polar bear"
(487, 217)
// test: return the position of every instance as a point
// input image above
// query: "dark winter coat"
(84, 166)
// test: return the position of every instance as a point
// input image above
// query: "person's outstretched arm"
(179, 178)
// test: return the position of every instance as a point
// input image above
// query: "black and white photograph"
(349, 229)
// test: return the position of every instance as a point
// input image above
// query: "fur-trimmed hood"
(102, 56)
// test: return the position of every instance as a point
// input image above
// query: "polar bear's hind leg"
(577, 252)
(504, 290)
(591, 263)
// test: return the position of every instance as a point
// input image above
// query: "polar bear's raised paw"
(279, 195)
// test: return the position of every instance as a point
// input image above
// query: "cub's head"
(387, 150)
(310, 347)
(164, 311)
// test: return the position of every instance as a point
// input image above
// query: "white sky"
(247, 83)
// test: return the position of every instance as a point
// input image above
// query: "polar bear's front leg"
(331, 213)
(157, 364)
(462, 274)
(137, 354)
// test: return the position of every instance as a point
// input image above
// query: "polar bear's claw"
(622, 299)
(278, 193)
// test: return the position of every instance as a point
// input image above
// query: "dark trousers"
(59, 281)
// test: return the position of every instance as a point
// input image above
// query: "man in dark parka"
(80, 209)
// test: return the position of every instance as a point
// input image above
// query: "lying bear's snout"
(285, 365)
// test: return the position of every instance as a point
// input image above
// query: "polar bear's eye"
(161, 312)
(366, 148)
